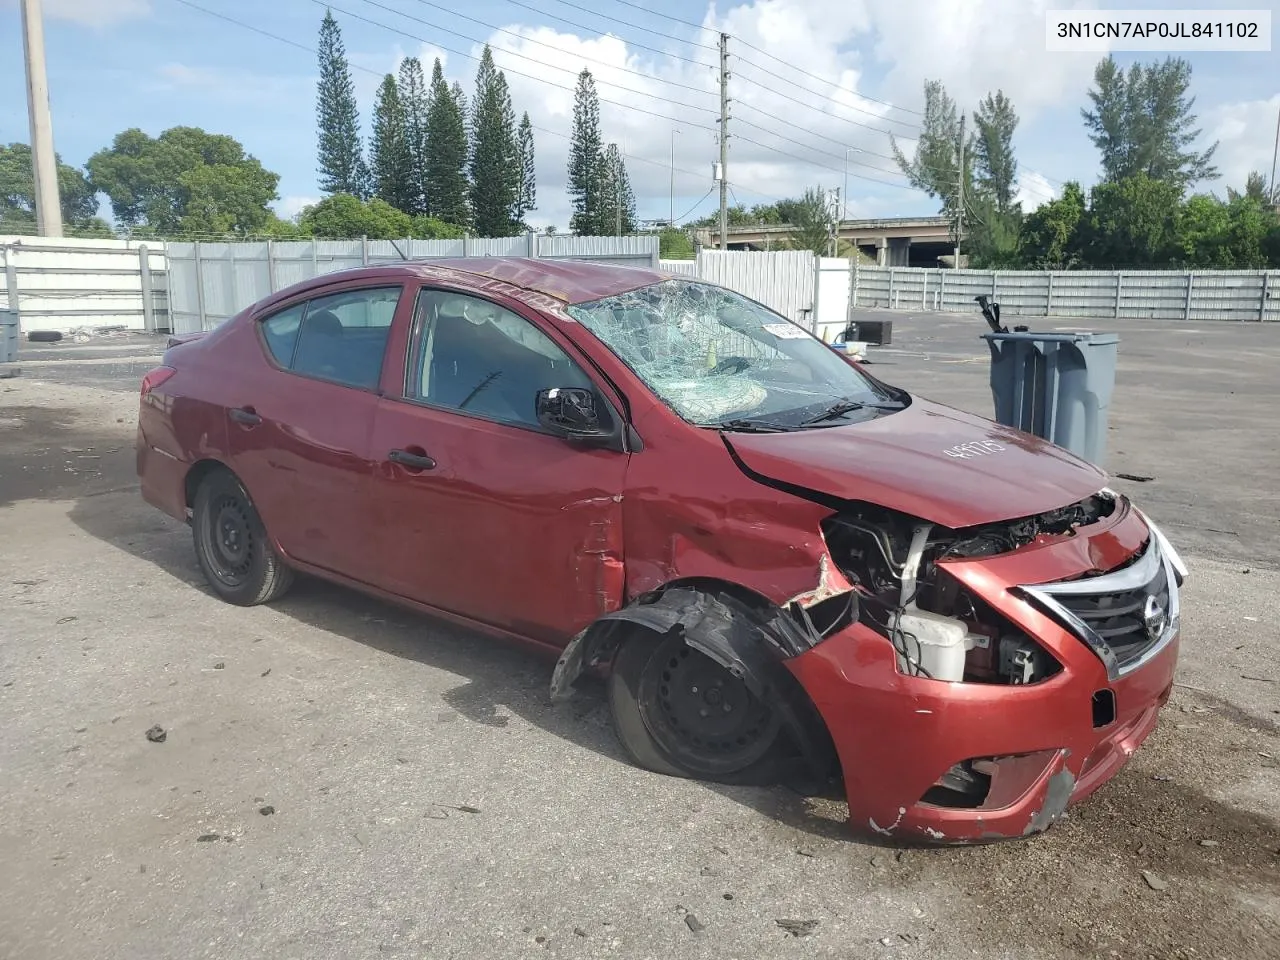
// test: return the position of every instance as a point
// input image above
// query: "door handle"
(244, 415)
(414, 461)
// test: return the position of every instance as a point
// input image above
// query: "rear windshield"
(715, 357)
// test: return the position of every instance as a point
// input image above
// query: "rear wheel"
(680, 713)
(232, 546)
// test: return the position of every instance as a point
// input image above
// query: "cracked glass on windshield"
(717, 358)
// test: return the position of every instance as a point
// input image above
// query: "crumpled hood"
(931, 461)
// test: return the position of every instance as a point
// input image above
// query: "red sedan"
(781, 564)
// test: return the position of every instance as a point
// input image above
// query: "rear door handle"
(244, 415)
(414, 461)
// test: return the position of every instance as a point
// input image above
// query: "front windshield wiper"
(744, 425)
(841, 407)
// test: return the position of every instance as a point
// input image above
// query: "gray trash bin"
(8, 336)
(1055, 385)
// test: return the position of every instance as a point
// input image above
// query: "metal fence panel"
(1242, 295)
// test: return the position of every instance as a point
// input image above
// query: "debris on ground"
(579, 932)
(267, 811)
(157, 734)
(1135, 477)
(208, 837)
(728, 896)
(798, 928)
(1154, 882)
(805, 852)
(219, 665)
(693, 923)
(709, 872)
(1208, 843)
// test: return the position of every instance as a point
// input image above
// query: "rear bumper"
(162, 474)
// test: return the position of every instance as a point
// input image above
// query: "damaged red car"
(781, 564)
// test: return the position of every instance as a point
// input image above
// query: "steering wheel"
(730, 365)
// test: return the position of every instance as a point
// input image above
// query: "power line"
(583, 26)
(823, 166)
(766, 53)
(695, 206)
(665, 16)
(513, 53)
(812, 106)
(528, 76)
(636, 26)
(541, 43)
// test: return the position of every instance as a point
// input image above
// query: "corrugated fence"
(210, 282)
(1248, 295)
(782, 280)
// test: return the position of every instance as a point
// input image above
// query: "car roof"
(569, 281)
(572, 281)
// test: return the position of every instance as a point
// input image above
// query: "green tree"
(341, 160)
(1202, 224)
(1051, 237)
(619, 200)
(994, 164)
(390, 152)
(185, 181)
(343, 216)
(446, 164)
(415, 102)
(1255, 189)
(675, 245)
(1133, 223)
(527, 195)
(586, 162)
(495, 159)
(77, 197)
(811, 223)
(1141, 123)
(429, 228)
(934, 168)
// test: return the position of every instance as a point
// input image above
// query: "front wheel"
(678, 712)
(232, 546)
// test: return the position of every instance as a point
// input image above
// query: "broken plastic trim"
(748, 641)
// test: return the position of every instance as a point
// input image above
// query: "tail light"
(156, 377)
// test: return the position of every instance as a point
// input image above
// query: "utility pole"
(44, 167)
(1274, 196)
(724, 141)
(960, 195)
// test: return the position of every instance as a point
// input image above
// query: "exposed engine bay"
(939, 629)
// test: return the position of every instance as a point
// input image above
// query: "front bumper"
(1042, 743)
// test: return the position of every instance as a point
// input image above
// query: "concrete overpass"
(892, 242)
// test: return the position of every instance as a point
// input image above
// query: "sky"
(819, 88)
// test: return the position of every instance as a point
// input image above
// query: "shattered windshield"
(719, 359)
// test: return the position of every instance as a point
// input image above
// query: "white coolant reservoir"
(937, 643)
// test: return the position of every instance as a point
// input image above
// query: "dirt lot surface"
(340, 778)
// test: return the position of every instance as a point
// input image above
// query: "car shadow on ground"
(502, 677)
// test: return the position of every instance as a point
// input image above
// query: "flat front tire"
(232, 547)
(677, 712)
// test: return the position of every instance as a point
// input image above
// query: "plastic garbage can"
(1057, 386)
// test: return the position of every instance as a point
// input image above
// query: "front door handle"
(245, 415)
(414, 461)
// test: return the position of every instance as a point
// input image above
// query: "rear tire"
(232, 547)
(679, 713)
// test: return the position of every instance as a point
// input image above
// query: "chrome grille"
(1125, 616)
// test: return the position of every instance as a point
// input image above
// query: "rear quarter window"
(280, 331)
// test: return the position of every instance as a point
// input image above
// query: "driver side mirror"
(570, 412)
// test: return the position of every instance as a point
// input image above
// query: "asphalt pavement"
(338, 777)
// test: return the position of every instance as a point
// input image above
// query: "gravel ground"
(341, 778)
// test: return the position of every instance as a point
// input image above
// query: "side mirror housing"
(570, 412)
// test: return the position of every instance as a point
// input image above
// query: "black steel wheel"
(232, 546)
(681, 713)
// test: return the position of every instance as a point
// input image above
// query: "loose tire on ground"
(232, 546)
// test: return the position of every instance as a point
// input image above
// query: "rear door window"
(281, 333)
(343, 336)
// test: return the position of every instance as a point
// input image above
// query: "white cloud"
(95, 13)
(1034, 190)
(1246, 135)
(290, 206)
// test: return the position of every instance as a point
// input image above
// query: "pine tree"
(495, 163)
(414, 101)
(586, 161)
(527, 195)
(995, 168)
(341, 159)
(446, 162)
(390, 156)
(618, 211)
